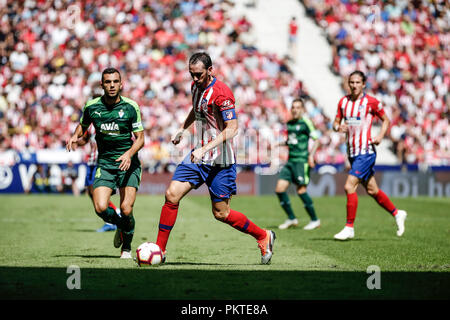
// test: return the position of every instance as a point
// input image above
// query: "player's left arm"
(138, 132)
(125, 159)
(313, 134)
(384, 129)
(378, 111)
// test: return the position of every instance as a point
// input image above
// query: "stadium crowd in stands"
(403, 47)
(53, 56)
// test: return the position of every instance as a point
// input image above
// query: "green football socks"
(286, 204)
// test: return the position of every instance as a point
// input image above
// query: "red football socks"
(166, 222)
(384, 201)
(352, 205)
(240, 222)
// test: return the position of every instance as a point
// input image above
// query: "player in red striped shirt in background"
(358, 110)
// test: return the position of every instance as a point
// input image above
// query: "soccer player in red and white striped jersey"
(358, 111)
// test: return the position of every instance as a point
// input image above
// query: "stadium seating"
(403, 48)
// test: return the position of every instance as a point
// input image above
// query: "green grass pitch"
(42, 235)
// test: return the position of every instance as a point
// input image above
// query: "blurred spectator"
(292, 40)
(69, 179)
(53, 57)
(40, 180)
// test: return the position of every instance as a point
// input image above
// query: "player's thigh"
(100, 197)
(177, 190)
(300, 172)
(221, 209)
(282, 185)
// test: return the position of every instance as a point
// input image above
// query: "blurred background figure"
(69, 178)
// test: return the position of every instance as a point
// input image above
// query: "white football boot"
(345, 234)
(288, 223)
(312, 225)
(400, 218)
(126, 255)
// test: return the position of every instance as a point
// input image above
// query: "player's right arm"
(187, 123)
(337, 126)
(73, 142)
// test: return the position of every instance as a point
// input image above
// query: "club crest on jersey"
(121, 113)
(204, 105)
(229, 115)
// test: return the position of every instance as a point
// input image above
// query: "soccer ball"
(148, 253)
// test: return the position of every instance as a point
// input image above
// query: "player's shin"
(127, 224)
(309, 207)
(352, 206)
(285, 203)
(109, 216)
(240, 222)
(383, 200)
(167, 220)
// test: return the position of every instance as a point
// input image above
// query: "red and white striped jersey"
(358, 115)
(212, 107)
(91, 157)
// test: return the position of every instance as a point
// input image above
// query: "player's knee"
(126, 209)
(220, 214)
(372, 191)
(172, 196)
(349, 188)
(100, 207)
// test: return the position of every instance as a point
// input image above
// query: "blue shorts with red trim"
(90, 175)
(221, 180)
(362, 166)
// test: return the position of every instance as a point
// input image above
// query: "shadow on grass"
(163, 284)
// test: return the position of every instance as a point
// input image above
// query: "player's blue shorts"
(90, 175)
(221, 181)
(362, 166)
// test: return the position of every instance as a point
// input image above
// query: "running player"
(300, 130)
(212, 161)
(91, 161)
(116, 119)
(358, 110)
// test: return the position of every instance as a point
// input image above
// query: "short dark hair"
(359, 73)
(299, 100)
(111, 71)
(203, 57)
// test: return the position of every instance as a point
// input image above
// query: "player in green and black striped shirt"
(300, 130)
(116, 120)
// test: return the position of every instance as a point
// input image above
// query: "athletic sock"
(167, 220)
(109, 216)
(352, 205)
(286, 204)
(309, 207)
(127, 224)
(384, 201)
(240, 222)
